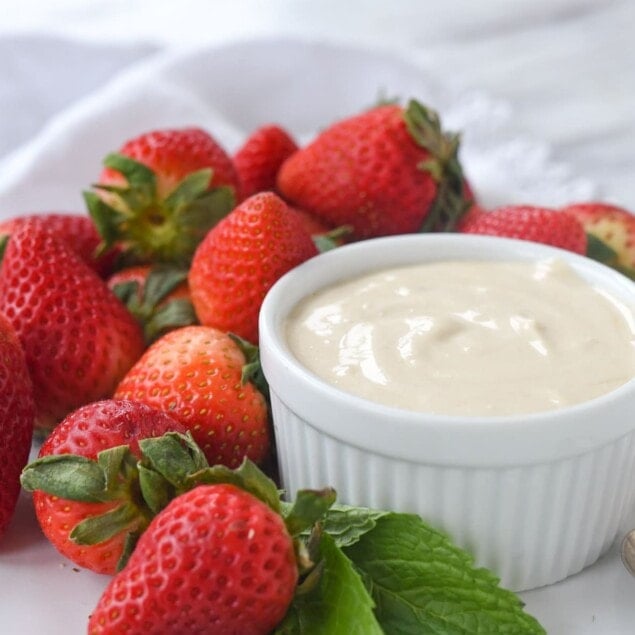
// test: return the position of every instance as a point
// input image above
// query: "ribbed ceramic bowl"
(535, 497)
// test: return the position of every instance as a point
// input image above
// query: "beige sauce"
(468, 338)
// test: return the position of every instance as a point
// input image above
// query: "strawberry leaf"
(598, 250)
(138, 175)
(111, 462)
(189, 189)
(161, 281)
(149, 228)
(175, 313)
(308, 508)
(443, 165)
(248, 477)
(174, 456)
(4, 241)
(130, 542)
(252, 370)
(67, 476)
(96, 529)
(157, 492)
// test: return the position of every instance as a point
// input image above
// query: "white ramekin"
(535, 497)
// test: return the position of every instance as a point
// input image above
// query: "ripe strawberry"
(78, 231)
(387, 171)
(258, 160)
(241, 258)
(17, 412)
(86, 432)
(611, 233)
(525, 222)
(470, 216)
(161, 193)
(79, 340)
(195, 374)
(159, 297)
(215, 560)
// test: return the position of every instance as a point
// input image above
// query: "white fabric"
(300, 84)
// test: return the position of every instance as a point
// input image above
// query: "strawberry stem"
(443, 166)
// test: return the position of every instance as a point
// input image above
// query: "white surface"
(557, 72)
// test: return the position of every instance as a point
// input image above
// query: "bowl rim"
(435, 438)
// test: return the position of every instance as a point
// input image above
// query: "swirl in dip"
(469, 338)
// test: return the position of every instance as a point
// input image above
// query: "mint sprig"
(415, 579)
(338, 605)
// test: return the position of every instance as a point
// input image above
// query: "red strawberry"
(79, 340)
(86, 432)
(195, 374)
(387, 171)
(159, 297)
(215, 560)
(241, 258)
(17, 412)
(78, 231)
(470, 216)
(260, 158)
(537, 224)
(611, 232)
(161, 193)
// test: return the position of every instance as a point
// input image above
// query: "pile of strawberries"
(140, 321)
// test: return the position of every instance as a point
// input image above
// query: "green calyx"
(150, 304)
(331, 239)
(141, 487)
(151, 229)
(599, 250)
(252, 370)
(112, 478)
(443, 165)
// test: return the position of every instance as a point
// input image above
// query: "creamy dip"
(467, 337)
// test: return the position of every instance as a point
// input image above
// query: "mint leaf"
(347, 524)
(422, 583)
(339, 605)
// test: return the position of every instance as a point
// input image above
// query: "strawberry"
(78, 231)
(159, 297)
(386, 171)
(258, 160)
(161, 193)
(215, 560)
(78, 339)
(196, 374)
(537, 224)
(241, 258)
(94, 528)
(611, 234)
(17, 411)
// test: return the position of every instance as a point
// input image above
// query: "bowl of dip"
(486, 384)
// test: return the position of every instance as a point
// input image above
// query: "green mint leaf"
(338, 605)
(422, 583)
(347, 525)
